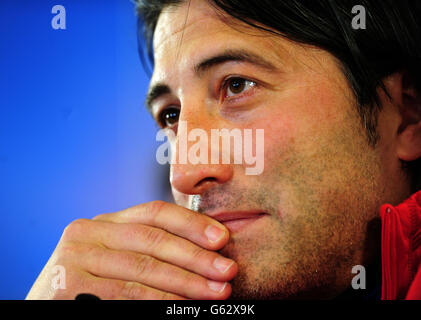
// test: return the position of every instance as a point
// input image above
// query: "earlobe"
(409, 143)
(409, 132)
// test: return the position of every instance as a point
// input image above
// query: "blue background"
(75, 138)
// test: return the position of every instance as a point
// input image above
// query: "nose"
(191, 177)
(196, 179)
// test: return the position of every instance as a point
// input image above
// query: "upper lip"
(236, 215)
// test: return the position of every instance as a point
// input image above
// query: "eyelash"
(223, 88)
(226, 82)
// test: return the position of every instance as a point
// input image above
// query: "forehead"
(181, 31)
(190, 31)
(178, 21)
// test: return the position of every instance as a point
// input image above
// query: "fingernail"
(217, 286)
(222, 264)
(214, 234)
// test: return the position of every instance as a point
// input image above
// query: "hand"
(155, 250)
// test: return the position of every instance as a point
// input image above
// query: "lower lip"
(239, 224)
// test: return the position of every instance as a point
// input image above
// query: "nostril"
(198, 178)
(205, 180)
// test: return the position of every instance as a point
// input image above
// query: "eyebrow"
(158, 90)
(231, 55)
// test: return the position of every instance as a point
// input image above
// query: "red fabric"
(401, 250)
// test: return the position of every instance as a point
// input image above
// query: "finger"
(160, 244)
(135, 267)
(114, 289)
(196, 227)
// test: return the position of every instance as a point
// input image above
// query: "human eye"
(168, 117)
(236, 86)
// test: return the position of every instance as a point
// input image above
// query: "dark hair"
(391, 41)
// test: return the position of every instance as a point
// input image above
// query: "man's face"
(322, 183)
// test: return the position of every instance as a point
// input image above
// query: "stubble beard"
(316, 230)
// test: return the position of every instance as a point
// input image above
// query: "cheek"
(280, 130)
(306, 130)
(327, 105)
(306, 114)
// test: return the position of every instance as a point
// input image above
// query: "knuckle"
(154, 237)
(74, 253)
(199, 254)
(143, 266)
(133, 290)
(67, 249)
(75, 228)
(154, 208)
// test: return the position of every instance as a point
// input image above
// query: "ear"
(407, 98)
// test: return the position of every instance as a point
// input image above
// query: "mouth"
(236, 221)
